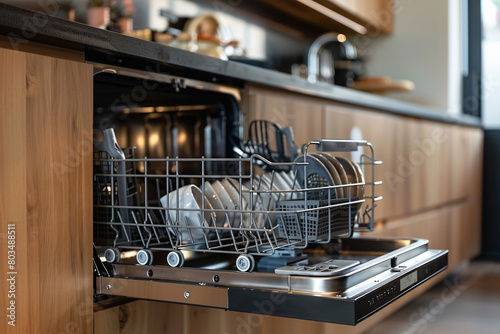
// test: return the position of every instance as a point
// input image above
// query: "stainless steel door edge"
(259, 280)
(342, 308)
(348, 307)
(164, 291)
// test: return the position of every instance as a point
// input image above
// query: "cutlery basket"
(317, 219)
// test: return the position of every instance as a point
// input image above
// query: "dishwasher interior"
(193, 206)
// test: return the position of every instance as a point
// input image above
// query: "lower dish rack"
(158, 208)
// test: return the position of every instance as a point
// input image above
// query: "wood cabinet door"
(380, 131)
(46, 192)
(305, 115)
(432, 225)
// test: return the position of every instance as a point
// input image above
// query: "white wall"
(424, 48)
(250, 36)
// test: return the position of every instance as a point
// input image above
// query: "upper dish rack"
(150, 207)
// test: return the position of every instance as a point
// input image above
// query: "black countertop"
(21, 25)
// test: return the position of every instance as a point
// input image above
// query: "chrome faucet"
(315, 49)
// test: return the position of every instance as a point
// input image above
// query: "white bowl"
(184, 209)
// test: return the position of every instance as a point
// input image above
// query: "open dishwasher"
(188, 213)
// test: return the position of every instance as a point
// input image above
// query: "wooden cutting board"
(384, 86)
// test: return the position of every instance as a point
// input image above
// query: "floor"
(468, 302)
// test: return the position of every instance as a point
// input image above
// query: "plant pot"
(98, 17)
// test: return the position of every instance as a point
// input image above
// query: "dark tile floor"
(468, 302)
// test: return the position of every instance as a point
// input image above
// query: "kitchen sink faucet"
(313, 62)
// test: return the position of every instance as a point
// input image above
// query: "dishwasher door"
(389, 269)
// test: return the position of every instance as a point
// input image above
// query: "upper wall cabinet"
(371, 17)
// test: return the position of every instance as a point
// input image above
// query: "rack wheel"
(112, 255)
(175, 259)
(144, 257)
(245, 262)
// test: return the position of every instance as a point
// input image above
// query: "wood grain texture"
(148, 317)
(432, 225)
(457, 228)
(50, 145)
(13, 190)
(304, 115)
(425, 163)
(378, 13)
(382, 131)
(59, 137)
(107, 321)
(458, 163)
(375, 15)
(152, 317)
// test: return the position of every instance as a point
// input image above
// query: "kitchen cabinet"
(425, 164)
(419, 156)
(455, 223)
(375, 16)
(376, 13)
(287, 110)
(45, 173)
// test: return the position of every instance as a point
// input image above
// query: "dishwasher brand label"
(408, 281)
(11, 274)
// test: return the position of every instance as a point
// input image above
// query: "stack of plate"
(228, 203)
(323, 170)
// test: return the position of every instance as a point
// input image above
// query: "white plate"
(229, 199)
(280, 184)
(287, 179)
(246, 195)
(224, 197)
(245, 198)
(264, 201)
(239, 205)
(239, 201)
(216, 203)
(292, 175)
